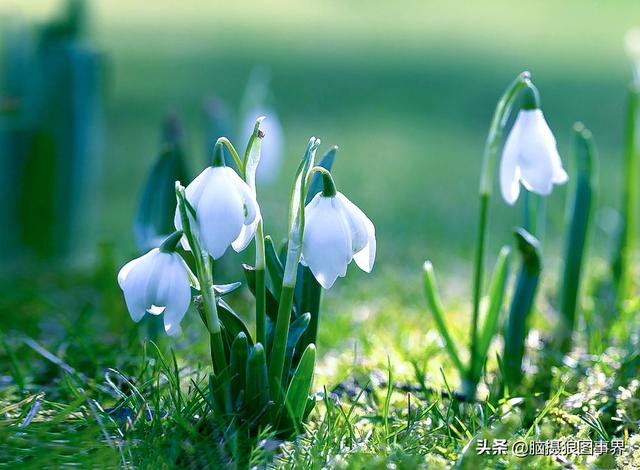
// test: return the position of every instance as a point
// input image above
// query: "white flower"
(530, 156)
(224, 204)
(336, 231)
(157, 283)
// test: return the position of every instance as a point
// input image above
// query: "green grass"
(91, 390)
(407, 91)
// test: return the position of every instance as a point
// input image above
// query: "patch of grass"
(115, 399)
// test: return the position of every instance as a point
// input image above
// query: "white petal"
(133, 279)
(156, 310)
(252, 212)
(193, 279)
(193, 193)
(246, 234)
(220, 213)
(160, 280)
(247, 195)
(326, 244)
(126, 269)
(560, 176)
(178, 297)
(509, 171)
(353, 216)
(538, 153)
(363, 234)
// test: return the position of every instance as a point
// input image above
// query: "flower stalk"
(498, 124)
(248, 169)
(294, 250)
(205, 277)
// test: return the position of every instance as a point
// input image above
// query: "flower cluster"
(226, 214)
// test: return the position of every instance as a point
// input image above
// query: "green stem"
(232, 151)
(498, 123)
(205, 278)
(278, 350)
(261, 312)
(478, 271)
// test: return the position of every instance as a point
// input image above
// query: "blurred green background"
(406, 89)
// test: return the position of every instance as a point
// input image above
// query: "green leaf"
(296, 330)
(224, 289)
(578, 221)
(626, 242)
(496, 296)
(298, 194)
(157, 205)
(435, 304)
(271, 304)
(232, 323)
(275, 268)
(257, 382)
(311, 404)
(238, 366)
(300, 387)
(216, 393)
(521, 305)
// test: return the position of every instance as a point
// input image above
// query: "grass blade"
(496, 296)
(435, 304)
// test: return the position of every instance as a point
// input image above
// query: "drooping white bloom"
(530, 157)
(224, 204)
(157, 283)
(336, 231)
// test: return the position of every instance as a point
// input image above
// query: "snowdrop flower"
(223, 205)
(157, 283)
(530, 155)
(335, 232)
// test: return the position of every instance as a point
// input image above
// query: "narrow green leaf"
(521, 305)
(238, 365)
(271, 304)
(257, 381)
(275, 268)
(216, 393)
(224, 289)
(578, 221)
(627, 231)
(300, 386)
(435, 304)
(296, 331)
(232, 323)
(157, 205)
(496, 296)
(311, 404)
(298, 193)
